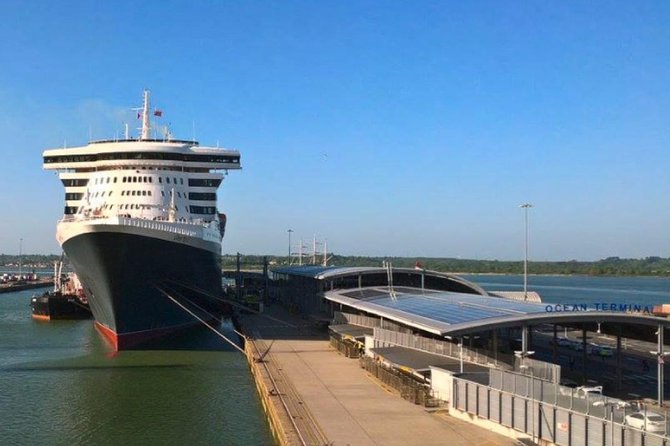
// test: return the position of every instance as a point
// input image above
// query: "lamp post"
(522, 355)
(460, 349)
(610, 406)
(289, 245)
(525, 207)
(460, 346)
(20, 258)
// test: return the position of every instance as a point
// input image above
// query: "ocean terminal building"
(583, 374)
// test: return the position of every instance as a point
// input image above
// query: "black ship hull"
(127, 276)
(50, 306)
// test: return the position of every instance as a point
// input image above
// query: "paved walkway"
(351, 407)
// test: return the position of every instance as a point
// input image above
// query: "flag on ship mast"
(158, 113)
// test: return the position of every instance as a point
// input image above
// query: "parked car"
(650, 421)
(567, 387)
(593, 348)
(579, 347)
(561, 342)
(568, 383)
(570, 388)
(605, 351)
(588, 391)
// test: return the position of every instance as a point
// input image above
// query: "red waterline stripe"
(109, 334)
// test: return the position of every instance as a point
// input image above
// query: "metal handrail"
(553, 405)
(146, 223)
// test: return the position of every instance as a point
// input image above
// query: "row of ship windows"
(196, 196)
(193, 182)
(204, 210)
(137, 180)
(140, 192)
(74, 182)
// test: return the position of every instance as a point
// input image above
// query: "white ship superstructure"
(145, 189)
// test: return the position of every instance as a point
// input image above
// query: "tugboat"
(66, 301)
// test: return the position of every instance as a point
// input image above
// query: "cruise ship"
(142, 230)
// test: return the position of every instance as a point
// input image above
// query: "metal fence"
(409, 388)
(384, 338)
(538, 369)
(346, 347)
(387, 333)
(367, 321)
(548, 411)
(355, 319)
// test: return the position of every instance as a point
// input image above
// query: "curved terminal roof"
(335, 272)
(448, 313)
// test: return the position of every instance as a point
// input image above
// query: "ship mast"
(146, 124)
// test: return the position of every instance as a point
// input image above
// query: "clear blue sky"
(388, 128)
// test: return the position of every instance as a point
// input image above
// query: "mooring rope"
(200, 308)
(233, 303)
(201, 320)
(260, 356)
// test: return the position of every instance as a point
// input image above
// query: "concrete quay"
(315, 396)
(12, 286)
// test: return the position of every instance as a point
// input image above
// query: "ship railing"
(159, 225)
(84, 218)
(187, 228)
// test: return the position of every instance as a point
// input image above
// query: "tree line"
(611, 266)
(28, 260)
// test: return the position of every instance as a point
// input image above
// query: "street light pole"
(525, 207)
(660, 354)
(522, 355)
(20, 258)
(609, 405)
(289, 245)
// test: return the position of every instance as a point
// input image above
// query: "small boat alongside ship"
(66, 301)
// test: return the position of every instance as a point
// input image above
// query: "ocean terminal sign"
(599, 306)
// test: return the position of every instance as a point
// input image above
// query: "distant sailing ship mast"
(301, 253)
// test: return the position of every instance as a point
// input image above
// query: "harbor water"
(60, 384)
(644, 291)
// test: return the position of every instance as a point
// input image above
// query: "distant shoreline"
(609, 267)
(564, 275)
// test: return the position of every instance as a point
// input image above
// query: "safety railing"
(383, 337)
(554, 413)
(191, 229)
